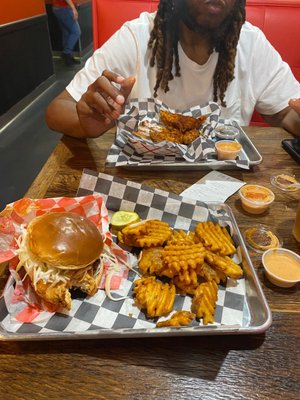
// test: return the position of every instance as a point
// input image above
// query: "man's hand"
(295, 105)
(102, 104)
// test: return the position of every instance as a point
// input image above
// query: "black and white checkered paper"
(130, 149)
(99, 312)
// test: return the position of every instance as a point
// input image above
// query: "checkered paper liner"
(99, 312)
(130, 149)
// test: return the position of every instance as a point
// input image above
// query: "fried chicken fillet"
(181, 122)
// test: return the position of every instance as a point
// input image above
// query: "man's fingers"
(295, 105)
(127, 86)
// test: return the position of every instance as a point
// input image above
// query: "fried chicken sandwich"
(60, 251)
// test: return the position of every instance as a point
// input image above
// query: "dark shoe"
(75, 61)
(68, 60)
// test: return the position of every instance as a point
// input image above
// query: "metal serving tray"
(126, 158)
(241, 307)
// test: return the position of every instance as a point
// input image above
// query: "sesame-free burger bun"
(64, 240)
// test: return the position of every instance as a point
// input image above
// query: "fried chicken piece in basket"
(182, 122)
(162, 133)
(184, 261)
(224, 264)
(215, 238)
(189, 136)
(150, 233)
(155, 297)
(151, 262)
(204, 301)
(179, 318)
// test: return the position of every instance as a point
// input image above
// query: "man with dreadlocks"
(187, 53)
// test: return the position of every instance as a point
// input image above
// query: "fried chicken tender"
(179, 318)
(224, 264)
(182, 122)
(155, 297)
(204, 301)
(215, 238)
(189, 136)
(150, 233)
(184, 261)
(151, 262)
(162, 133)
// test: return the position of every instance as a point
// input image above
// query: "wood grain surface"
(263, 367)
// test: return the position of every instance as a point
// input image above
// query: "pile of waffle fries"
(173, 261)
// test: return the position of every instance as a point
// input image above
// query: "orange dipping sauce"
(228, 150)
(255, 198)
(282, 265)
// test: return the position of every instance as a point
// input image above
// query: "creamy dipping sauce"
(255, 198)
(226, 146)
(257, 193)
(283, 265)
(228, 150)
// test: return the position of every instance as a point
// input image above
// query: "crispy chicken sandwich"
(60, 251)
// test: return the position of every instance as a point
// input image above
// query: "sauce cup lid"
(285, 182)
(227, 132)
(260, 238)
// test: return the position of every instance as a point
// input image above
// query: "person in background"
(187, 53)
(67, 16)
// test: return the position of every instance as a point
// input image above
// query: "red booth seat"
(278, 19)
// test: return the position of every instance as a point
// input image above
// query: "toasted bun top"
(65, 240)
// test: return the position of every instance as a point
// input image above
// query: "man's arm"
(95, 112)
(61, 116)
(288, 118)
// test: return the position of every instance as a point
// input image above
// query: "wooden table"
(264, 367)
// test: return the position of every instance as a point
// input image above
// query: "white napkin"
(215, 186)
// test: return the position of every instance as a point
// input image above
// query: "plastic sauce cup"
(227, 132)
(228, 149)
(256, 199)
(282, 267)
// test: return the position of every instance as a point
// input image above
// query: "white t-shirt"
(262, 80)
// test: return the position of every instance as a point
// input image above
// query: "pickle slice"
(120, 219)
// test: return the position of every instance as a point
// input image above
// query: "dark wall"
(26, 59)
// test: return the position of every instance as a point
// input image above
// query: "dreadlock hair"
(164, 44)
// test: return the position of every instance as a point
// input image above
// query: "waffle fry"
(155, 297)
(179, 318)
(184, 260)
(215, 238)
(210, 274)
(150, 233)
(195, 262)
(224, 264)
(183, 288)
(180, 237)
(151, 262)
(204, 301)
